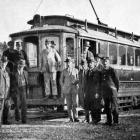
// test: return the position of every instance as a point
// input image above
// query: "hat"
(21, 62)
(98, 56)
(106, 58)
(52, 42)
(47, 40)
(4, 59)
(10, 43)
(91, 59)
(68, 59)
(87, 44)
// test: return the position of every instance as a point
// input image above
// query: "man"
(69, 83)
(81, 91)
(19, 91)
(11, 55)
(21, 54)
(92, 92)
(98, 58)
(86, 53)
(4, 90)
(110, 87)
(49, 61)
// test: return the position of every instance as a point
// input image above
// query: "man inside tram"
(49, 60)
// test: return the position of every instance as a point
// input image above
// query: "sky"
(122, 14)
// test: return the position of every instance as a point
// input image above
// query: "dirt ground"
(61, 129)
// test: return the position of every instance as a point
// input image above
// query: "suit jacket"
(49, 60)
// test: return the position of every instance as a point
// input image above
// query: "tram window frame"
(137, 61)
(130, 60)
(122, 58)
(113, 59)
(104, 51)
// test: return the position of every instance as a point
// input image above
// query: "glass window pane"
(137, 57)
(130, 56)
(32, 54)
(113, 53)
(122, 55)
(102, 46)
(70, 47)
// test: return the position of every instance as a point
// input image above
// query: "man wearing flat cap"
(92, 100)
(49, 60)
(69, 82)
(4, 90)
(11, 55)
(20, 90)
(110, 87)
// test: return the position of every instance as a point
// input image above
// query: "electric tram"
(69, 34)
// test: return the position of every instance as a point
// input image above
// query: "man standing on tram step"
(110, 87)
(86, 53)
(21, 54)
(58, 67)
(49, 61)
(4, 90)
(93, 92)
(81, 91)
(20, 91)
(69, 82)
(11, 54)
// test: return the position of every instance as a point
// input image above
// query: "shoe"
(76, 120)
(85, 121)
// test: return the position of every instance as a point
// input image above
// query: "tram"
(68, 33)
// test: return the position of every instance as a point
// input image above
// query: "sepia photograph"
(69, 70)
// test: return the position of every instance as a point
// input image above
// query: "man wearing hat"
(49, 61)
(69, 82)
(98, 58)
(20, 89)
(110, 87)
(21, 54)
(86, 53)
(92, 92)
(81, 91)
(4, 90)
(11, 55)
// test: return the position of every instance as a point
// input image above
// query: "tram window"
(32, 54)
(122, 55)
(113, 53)
(102, 46)
(130, 56)
(70, 47)
(137, 57)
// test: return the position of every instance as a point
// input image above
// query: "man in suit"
(4, 90)
(110, 87)
(50, 59)
(92, 92)
(20, 90)
(69, 82)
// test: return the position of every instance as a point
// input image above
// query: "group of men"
(96, 84)
(14, 82)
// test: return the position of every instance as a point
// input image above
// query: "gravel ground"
(61, 129)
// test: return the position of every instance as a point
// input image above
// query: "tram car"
(69, 34)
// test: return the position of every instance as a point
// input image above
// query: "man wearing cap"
(98, 58)
(81, 91)
(21, 54)
(20, 90)
(49, 61)
(86, 53)
(69, 82)
(110, 87)
(4, 90)
(11, 55)
(92, 92)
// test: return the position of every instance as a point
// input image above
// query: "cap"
(21, 62)
(98, 56)
(10, 43)
(68, 59)
(91, 59)
(106, 58)
(86, 44)
(47, 40)
(52, 42)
